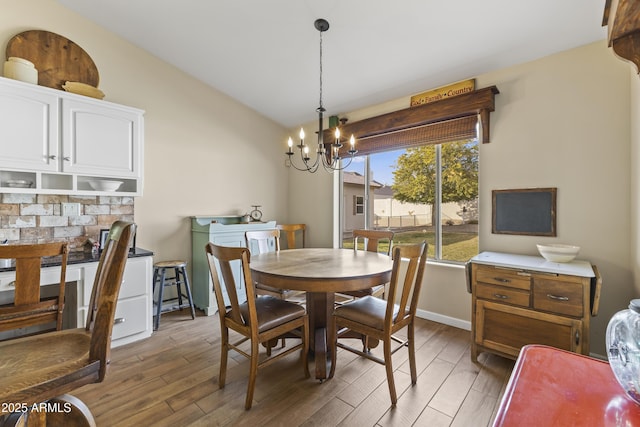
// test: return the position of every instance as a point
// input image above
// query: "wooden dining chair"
(371, 240)
(263, 241)
(291, 232)
(43, 368)
(260, 319)
(377, 318)
(30, 307)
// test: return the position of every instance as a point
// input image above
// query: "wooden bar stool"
(179, 278)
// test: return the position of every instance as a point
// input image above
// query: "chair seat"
(277, 292)
(377, 291)
(28, 363)
(368, 310)
(272, 312)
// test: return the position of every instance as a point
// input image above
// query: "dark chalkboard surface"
(529, 211)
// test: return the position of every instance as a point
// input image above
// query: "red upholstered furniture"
(552, 387)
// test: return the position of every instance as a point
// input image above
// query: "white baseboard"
(451, 321)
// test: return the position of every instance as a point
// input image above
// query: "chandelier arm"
(306, 168)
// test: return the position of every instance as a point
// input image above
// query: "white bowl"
(558, 252)
(105, 185)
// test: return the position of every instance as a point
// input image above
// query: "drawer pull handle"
(501, 296)
(500, 279)
(12, 284)
(118, 320)
(558, 298)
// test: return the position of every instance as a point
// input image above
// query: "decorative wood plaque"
(444, 92)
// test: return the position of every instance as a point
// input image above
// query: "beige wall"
(561, 121)
(204, 152)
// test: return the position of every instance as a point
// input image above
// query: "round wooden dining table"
(321, 272)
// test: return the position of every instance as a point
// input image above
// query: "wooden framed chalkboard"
(530, 211)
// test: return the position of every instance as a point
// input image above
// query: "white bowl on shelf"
(18, 183)
(105, 185)
(558, 252)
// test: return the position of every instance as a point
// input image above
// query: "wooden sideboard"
(519, 300)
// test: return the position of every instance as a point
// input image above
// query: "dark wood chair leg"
(253, 373)
(389, 368)
(224, 353)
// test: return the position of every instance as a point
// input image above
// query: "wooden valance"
(447, 120)
(622, 18)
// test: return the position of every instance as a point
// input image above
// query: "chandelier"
(327, 155)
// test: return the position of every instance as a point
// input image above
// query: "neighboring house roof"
(384, 192)
(358, 179)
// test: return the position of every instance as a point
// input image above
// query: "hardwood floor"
(170, 379)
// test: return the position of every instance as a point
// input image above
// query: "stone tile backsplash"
(37, 218)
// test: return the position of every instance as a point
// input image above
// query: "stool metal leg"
(188, 288)
(160, 297)
(178, 283)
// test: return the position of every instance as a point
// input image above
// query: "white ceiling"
(265, 53)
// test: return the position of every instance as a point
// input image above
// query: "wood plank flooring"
(171, 379)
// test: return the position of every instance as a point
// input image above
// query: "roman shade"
(458, 118)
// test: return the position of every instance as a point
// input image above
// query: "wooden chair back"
(263, 240)
(106, 288)
(223, 272)
(405, 293)
(43, 367)
(29, 306)
(372, 238)
(291, 231)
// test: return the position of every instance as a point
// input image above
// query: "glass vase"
(623, 348)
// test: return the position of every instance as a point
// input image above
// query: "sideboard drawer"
(558, 297)
(503, 294)
(503, 277)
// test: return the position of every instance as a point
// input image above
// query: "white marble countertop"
(535, 263)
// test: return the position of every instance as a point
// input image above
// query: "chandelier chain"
(321, 70)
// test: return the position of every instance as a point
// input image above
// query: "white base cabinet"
(133, 319)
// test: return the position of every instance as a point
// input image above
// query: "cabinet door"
(29, 123)
(101, 140)
(507, 329)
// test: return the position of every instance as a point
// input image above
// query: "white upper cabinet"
(29, 123)
(56, 142)
(100, 140)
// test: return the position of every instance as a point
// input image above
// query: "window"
(358, 204)
(434, 191)
(428, 192)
